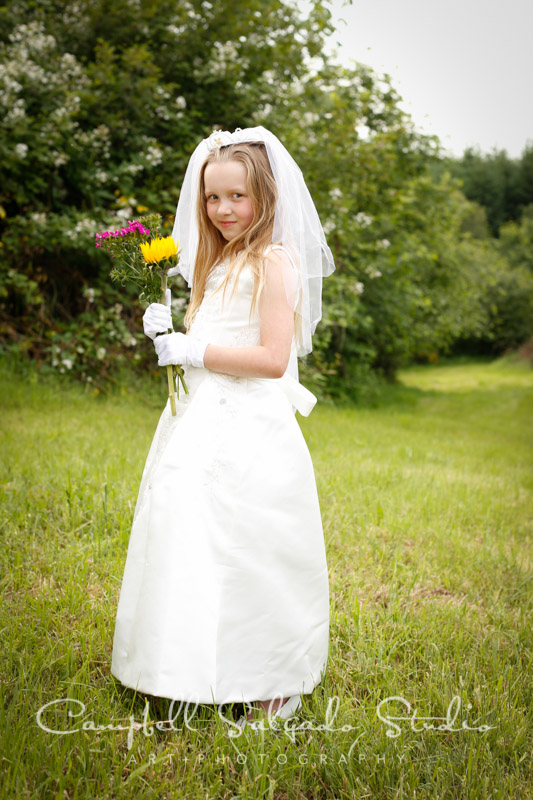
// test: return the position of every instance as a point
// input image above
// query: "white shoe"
(289, 708)
(286, 711)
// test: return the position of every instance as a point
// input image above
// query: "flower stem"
(173, 389)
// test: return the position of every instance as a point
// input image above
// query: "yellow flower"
(158, 249)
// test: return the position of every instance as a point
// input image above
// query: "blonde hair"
(250, 245)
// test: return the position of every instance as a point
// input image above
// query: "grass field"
(427, 506)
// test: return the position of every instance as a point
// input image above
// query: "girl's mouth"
(225, 224)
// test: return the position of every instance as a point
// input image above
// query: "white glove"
(157, 318)
(177, 348)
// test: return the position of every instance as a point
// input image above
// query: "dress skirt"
(225, 593)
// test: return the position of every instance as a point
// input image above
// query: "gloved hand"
(157, 318)
(177, 348)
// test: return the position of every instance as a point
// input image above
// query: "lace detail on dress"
(212, 313)
(217, 274)
(248, 337)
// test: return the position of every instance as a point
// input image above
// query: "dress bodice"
(225, 320)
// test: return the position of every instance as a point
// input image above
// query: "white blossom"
(177, 31)
(10, 84)
(32, 36)
(85, 224)
(21, 149)
(67, 362)
(224, 57)
(16, 111)
(363, 131)
(97, 139)
(153, 155)
(162, 111)
(59, 158)
(310, 117)
(363, 219)
(100, 353)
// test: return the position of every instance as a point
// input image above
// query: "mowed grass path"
(427, 505)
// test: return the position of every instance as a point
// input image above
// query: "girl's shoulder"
(274, 246)
(284, 253)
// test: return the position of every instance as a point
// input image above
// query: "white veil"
(296, 224)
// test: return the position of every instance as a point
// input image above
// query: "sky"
(464, 68)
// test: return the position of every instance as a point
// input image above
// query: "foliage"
(504, 285)
(102, 107)
(502, 185)
(516, 240)
(95, 343)
(414, 260)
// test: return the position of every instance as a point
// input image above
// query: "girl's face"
(227, 202)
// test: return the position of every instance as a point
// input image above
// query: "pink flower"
(133, 225)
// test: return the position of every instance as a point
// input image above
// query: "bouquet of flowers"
(148, 263)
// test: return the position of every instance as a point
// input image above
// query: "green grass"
(427, 505)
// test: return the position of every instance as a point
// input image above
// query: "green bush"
(101, 110)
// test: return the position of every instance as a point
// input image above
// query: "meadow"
(427, 507)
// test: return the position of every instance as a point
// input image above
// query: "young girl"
(225, 594)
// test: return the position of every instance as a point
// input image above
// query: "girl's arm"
(271, 357)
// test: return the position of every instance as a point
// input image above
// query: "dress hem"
(287, 693)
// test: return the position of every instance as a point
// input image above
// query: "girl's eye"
(215, 197)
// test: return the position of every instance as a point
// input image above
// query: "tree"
(504, 186)
(411, 268)
(102, 104)
(101, 111)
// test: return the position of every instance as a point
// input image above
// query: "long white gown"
(225, 594)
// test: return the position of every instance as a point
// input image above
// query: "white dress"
(225, 594)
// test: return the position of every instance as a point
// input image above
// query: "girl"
(225, 594)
